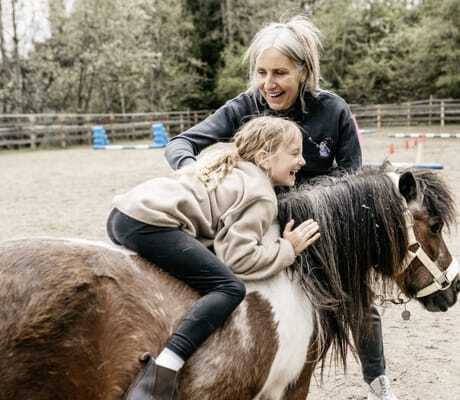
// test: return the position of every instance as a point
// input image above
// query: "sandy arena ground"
(68, 193)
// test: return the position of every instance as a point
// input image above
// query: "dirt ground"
(68, 193)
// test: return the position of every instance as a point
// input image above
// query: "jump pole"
(408, 165)
(159, 135)
(426, 135)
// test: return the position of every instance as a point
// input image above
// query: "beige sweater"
(235, 216)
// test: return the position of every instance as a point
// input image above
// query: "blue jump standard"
(159, 135)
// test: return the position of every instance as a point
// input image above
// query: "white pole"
(419, 153)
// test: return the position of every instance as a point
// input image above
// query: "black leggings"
(187, 259)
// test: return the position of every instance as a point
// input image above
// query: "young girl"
(228, 202)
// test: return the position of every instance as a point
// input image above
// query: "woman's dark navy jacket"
(329, 133)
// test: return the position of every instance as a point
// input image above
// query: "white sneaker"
(380, 389)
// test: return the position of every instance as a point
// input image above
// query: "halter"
(442, 280)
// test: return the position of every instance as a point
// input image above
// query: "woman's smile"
(278, 79)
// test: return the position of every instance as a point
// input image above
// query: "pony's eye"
(437, 227)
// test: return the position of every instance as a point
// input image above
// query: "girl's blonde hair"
(262, 134)
(299, 40)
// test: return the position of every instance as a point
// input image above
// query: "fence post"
(379, 116)
(408, 114)
(431, 106)
(89, 132)
(442, 113)
(195, 117)
(63, 139)
(62, 133)
(181, 122)
(33, 140)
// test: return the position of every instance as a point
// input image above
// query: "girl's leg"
(188, 260)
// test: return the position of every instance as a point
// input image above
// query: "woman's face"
(278, 79)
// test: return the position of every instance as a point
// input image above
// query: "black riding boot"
(153, 382)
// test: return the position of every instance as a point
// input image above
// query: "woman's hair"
(265, 133)
(299, 40)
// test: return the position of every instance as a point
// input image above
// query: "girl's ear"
(261, 159)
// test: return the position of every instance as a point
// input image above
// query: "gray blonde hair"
(265, 133)
(299, 40)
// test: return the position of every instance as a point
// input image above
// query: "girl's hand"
(303, 236)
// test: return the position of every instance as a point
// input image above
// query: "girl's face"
(285, 163)
(278, 79)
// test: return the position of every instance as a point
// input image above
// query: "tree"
(435, 50)
(152, 55)
(232, 79)
(113, 56)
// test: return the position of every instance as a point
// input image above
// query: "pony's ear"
(387, 166)
(408, 186)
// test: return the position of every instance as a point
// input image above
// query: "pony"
(75, 315)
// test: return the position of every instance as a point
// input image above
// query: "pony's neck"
(362, 239)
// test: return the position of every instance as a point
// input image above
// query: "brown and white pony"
(75, 315)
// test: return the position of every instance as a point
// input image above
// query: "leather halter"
(442, 280)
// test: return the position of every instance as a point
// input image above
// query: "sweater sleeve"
(251, 245)
(348, 150)
(218, 127)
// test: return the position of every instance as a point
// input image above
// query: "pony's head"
(377, 226)
(429, 273)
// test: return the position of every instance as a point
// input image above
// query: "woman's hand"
(303, 236)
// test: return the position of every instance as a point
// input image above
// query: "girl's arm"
(251, 246)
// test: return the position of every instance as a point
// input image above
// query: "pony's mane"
(363, 241)
(437, 198)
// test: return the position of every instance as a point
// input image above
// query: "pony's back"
(61, 300)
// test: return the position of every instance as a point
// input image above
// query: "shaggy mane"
(363, 241)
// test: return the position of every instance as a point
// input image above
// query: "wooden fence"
(439, 112)
(44, 130)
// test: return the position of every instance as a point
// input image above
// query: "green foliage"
(207, 44)
(232, 78)
(152, 55)
(381, 51)
(113, 56)
(436, 48)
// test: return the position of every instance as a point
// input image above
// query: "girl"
(228, 202)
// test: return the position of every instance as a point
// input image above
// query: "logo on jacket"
(324, 147)
(324, 150)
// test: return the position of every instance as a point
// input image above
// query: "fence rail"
(440, 112)
(45, 130)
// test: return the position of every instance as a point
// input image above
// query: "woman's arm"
(218, 127)
(348, 155)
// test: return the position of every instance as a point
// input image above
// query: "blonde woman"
(284, 77)
(229, 202)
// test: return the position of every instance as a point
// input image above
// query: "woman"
(284, 81)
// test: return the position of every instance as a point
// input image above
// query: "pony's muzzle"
(442, 300)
